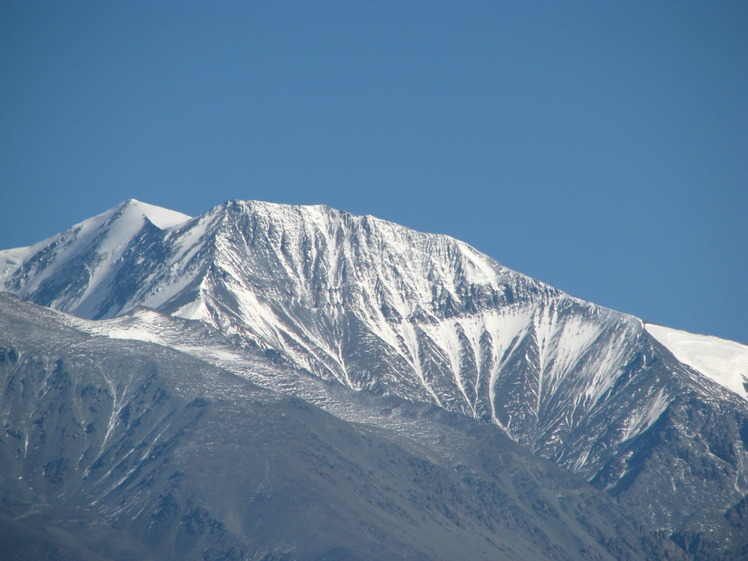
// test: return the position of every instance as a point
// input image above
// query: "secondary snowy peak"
(73, 270)
(725, 362)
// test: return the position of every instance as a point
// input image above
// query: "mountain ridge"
(377, 307)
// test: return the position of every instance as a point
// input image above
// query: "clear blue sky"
(601, 147)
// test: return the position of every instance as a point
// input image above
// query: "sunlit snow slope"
(725, 362)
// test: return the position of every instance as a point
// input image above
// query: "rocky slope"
(126, 450)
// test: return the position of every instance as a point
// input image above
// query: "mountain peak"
(134, 210)
(75, 270)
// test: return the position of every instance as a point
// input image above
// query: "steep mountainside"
(125, 450)
(371, 306)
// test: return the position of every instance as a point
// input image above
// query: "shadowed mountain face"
(126, 450)
(329, 299)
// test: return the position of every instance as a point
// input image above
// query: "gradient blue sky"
(601, 147)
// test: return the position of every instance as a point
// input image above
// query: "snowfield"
(725, 362)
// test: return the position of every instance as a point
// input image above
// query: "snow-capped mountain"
(377, 307)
